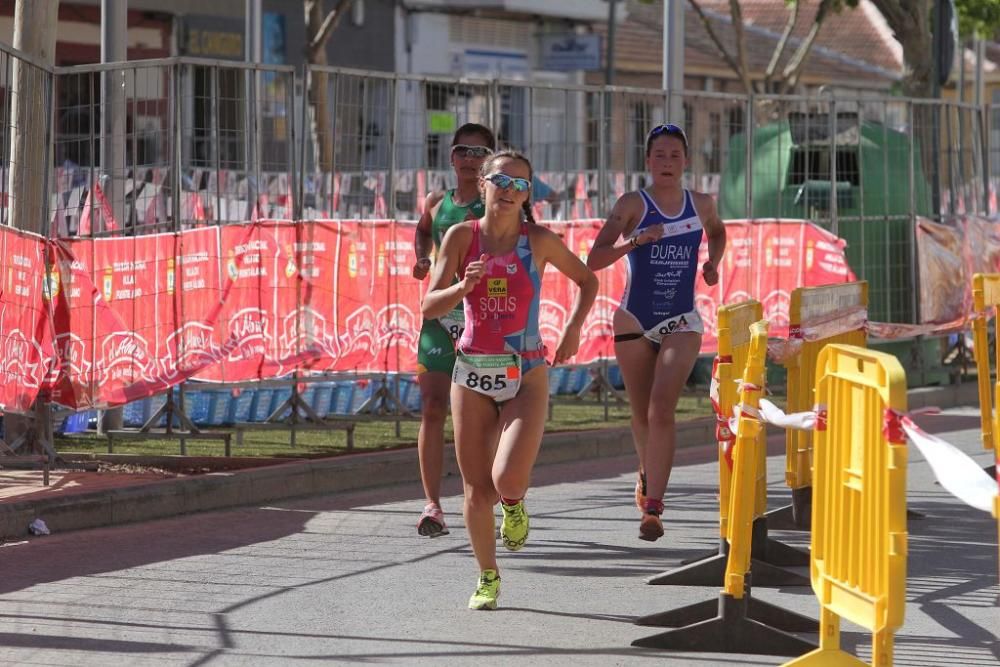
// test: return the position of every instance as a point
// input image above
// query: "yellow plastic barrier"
(809, 305)
(734, 332)
(737, 622)
(858, 567)
(985, 293)
(750, 443)
(734, 322)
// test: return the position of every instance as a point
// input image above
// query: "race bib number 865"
(495, 375)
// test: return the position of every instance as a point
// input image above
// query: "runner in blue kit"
(657, 328)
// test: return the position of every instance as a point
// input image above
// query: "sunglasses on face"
(503, 181)
(462, 150)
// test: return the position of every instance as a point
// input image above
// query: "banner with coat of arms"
(101, 322)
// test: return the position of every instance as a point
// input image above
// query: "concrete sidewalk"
(344, 579)
(77, 499)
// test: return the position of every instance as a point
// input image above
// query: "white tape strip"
(955, 470)
(800, 421)
(958, 473)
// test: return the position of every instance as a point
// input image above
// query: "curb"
(352, 472)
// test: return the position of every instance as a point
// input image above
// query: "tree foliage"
(911, 22)
(913, 26)
(978, 18)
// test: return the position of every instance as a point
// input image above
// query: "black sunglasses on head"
(668, 129)
(463, 150)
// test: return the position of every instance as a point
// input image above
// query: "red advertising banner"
(597, 334)
(123, 318)
(25, 328)
(555, 303)
(124, 271)
(398, 319)
(137, 280)
(80, 317)
(133, 316)
(559, 294)
(281, 295)
(257, 323)
(765, 260)
(358, 296)
(188, 267)
(310, 328)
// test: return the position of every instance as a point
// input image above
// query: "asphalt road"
(345, 579)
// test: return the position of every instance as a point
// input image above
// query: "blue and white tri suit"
(659, 289)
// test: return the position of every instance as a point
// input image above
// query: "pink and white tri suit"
(501, 312)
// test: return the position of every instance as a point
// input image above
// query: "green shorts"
(436, 351)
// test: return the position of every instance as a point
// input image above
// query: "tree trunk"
(914, 34)
(319, 26)
(35, 35)
(918, 65)
(321, 126)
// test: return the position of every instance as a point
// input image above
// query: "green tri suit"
(436, 350)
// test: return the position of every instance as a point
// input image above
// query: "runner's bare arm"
(555, 252)
(423, 241)
(624, 217)
(715, 232)
(443, 293)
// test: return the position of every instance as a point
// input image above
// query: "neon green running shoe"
(487, 591)
(514, 530)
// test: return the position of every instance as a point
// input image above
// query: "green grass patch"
(567, 415)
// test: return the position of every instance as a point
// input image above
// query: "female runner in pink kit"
(500, 382)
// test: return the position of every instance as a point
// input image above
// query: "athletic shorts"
(435, 351)
(685, 323)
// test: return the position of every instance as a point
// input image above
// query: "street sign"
(441, 122)
(569, 51)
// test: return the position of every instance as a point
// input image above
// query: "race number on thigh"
(676, 324)
(495, 375)
(454, 323)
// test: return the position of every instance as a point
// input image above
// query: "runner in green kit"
(470, 147)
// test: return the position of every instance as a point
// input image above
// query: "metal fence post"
(331, 81)
(216, 134)
(986, 120)
(748, 148)
(303, 168)
(834, 127)
(391, 184)
(295, 210)
(177, 173)
(602, 156)
(250, 115)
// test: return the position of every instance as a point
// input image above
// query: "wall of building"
(216, 30)
(78, 35)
